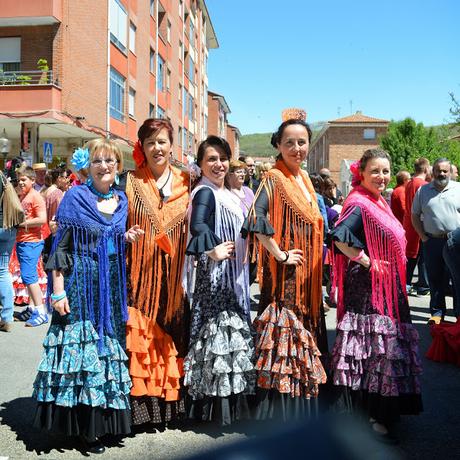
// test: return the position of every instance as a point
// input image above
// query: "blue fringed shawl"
(95, 237)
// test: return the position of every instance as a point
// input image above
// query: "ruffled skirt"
(83, 384)
(219, 370)
(289, 369)
(375, 361)
(156, 371)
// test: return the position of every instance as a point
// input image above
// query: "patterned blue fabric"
(74, 368)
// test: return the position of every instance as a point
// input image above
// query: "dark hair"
(55, 173)
(370, 154)
(442, 160)
(421, 165)
(317, 181)
(218, 143)
(154, 125)
(276, 137)
(14, 165)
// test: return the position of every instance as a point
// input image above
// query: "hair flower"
(80, 158)
(138, 154)
(193, 168)
(355, 169)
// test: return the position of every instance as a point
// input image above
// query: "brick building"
(342, 141)
(111, 64)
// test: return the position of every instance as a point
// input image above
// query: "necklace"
(160, 189)
(104, 196)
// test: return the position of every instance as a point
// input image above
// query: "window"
(131, 101)
(152, 8)
(191, 107)
(132, 38)
(192, 35)
(180, 93)
(151, 111)
(369, 133)
(118, 25)
(160, 112)
(184, 139)
(168, 79)
(190, 143)
(161, 74)
(181, 9)
(179, 137)
(152, 61)
(181, 51)
(184, 103)
(10, 54)
(117, 95)
(168, 32)
(191, 69)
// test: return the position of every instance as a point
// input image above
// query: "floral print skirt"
(83, 384)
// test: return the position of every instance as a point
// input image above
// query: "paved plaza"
(433, 434)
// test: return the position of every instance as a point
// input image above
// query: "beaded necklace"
(104, 196)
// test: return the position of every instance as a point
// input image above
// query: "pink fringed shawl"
(386, 243)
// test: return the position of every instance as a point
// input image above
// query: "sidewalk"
(433, 434)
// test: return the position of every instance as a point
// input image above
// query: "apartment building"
(72, 70)
(343, 141)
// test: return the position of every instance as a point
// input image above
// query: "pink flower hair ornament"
(355, 169)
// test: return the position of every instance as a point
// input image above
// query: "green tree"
(455, 109)
(406, 141)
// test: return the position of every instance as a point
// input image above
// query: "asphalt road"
(433, 434)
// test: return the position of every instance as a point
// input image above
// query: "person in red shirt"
(398, 197)
(414, 254)
(29, 242)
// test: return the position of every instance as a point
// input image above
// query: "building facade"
(343, 141)
(64, 80)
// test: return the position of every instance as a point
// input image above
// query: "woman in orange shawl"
(157, 332)
(288, 224)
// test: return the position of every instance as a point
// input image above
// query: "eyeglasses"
(110, 162)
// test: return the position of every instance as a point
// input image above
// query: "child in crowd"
(29, 244)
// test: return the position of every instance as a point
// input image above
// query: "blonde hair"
(102, 144)
(237, 164)
(265, 166)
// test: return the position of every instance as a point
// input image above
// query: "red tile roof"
(358, 117)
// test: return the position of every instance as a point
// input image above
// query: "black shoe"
(93, 447)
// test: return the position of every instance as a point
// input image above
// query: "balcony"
(14, 13)
(29, 91)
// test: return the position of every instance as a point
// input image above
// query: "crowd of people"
(149, 274)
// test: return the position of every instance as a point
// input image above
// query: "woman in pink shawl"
(375, 360)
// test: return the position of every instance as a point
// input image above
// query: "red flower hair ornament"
(355, 169)
(138, 154)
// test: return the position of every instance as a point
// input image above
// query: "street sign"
(47, 152)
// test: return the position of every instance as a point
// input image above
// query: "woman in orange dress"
(157, 332)
(290, 321)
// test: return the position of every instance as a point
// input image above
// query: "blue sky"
(392, 59)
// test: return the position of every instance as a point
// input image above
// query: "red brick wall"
(83, 47)
(213, 116)
(36, 43)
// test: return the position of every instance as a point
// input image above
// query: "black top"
(202, 223)
(351, 230)
(62, 258)
(262, 224)
(252, 183)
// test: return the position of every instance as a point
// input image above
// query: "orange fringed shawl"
(165, 227)
(289, 209)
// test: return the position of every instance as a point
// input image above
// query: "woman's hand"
(62, 306)
(133, 234)
(222, 251)
(53, 226)
(295, 257)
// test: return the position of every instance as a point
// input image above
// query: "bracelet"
(58, 297)
(286, 258)
(359, 256)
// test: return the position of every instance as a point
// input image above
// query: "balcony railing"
(28, 78)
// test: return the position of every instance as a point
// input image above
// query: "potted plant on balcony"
(42, 64)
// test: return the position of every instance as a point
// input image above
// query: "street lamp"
(5, 146)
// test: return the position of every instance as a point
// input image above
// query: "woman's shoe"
(93, 447)
(6, 327)
(384, 435)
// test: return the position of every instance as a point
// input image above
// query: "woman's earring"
(117, 179)
(89, 181)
